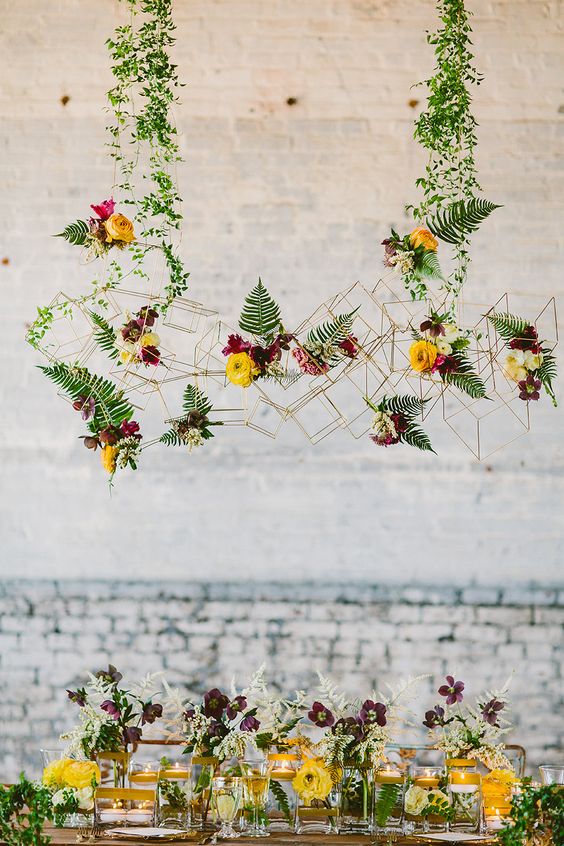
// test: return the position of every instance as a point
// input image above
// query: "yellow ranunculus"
(150, 339)
(422, 355)
(312, 781)
(241, 369)
(421, 237)
(81, 773)
(109, 456)
(515, 366)
(119, 228)
(53, 774)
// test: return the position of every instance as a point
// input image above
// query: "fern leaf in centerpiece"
(281, 799)
(460, 219)
(415, 436)
(105, 337)
(387, 798)
(261, 314)
(193, 398)
(465, 379)
(332, 332)
(75, 233)
(508, 326)
(430, 267)
(547, 372)
(408, 404)
(111, 407)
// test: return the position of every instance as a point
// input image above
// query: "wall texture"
(205, 634)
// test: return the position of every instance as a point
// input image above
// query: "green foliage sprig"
(194, 425)
(387, 798)
(537, 816)
(408, 408)
(25, 807)
(260, 314)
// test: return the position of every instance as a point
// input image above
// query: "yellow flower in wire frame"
(241, 369)
(119, 228)
(150, 339)
(109, 457)
(421, 237)
(422, 355)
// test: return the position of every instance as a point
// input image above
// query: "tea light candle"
(426, 781)
(175, 772)
(464, 782)
(139, 815)
(115, 814)
(495, 823)
(145, 777)
(389, 776)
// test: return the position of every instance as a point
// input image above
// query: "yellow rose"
(313, 781)
(515, 366)
(119, 228)
(241, 369)
(422, 355)
(150, 339)
(53, 774)
(81, 773)
(109, 456)
(416, 800)
(421, 237)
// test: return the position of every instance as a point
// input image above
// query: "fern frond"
(387, 798)
(105, 337)
(193, 398)
(547, 372)
(460, 219)
(465, 379)
(333, 332)
(111, 408)
(261, 314)
(407, 404)
(171, 438)
(281, 799)
(430, 267)
(508, 326)
(415, 436)
(75, 233)
(286, 379)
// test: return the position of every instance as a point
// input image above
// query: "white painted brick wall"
(202, 634)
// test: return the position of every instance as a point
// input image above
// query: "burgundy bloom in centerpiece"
(236, 706)
(320, 715)
(105, 209)
(373, 712)
(529, 388)
(249, 723)
(435, 717)
(111, 709)
(151, 713)
(452, 690)
(490, 711)
(215, 703)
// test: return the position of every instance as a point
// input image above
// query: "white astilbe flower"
(149, 686)
(234, 745)
(84, 736)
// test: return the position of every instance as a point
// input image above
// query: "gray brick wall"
(201, 634)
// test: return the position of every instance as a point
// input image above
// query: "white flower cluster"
(128, 448)
(83, 797)
(444, 342)
(84, 736)
(403, 259)
(383, 425)
(193, 438)
(519, 363)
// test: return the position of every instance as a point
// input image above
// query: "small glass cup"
(389, 786)
(50, 755)
(551, 775)
(144, 774)
(227, 792)
(256, 785)
(430, 779)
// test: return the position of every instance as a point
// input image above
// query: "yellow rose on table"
(313, 781)
(421, 237)
(108, 457)
(422, 355)
(53, 774)
(241, 369)
(80, 774)
(119, 228)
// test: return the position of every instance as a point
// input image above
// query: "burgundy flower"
(490, 711)
(86, 406)
(433, 327)
(320, 715)
(111, 709)
(218, 729)
(236, 706)
(131, 734)
(529, 388)
(262, 356)
(373, 712)
(90, 442)
(110, 435)
(349, 346)
(384, 440)
(77, 696)
(400, 421)
(147, 315)
(435, 717)
(236, 344)
(132, 330)
(151, 713)
(452, 690)
(150, 355)
(105, 209)
(389, 251)
(528, 340)
(351, 726)
(189, 713)
(445, 364)
(110, 675)
(249, 723)
(215, 703)
(129, 427)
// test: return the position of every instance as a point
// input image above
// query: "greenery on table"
(386, 800)
(24, 809)
(537, 817)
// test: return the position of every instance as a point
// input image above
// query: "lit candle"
(139, 815)
(496, 822)
(426, 781)
(113, 814)
(389, 776)
(144, 777)
(464, 782)
(175, 772)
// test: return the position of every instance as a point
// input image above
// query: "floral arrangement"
(465, 731)
(419, 802)
(415, 255)
(192, 429)
(530, 363)
(220, 726)
(442, 349)
(313, 783)
(327, 345)
(278, 717)
(111, 718)
(100, 233)
(72, 784)
(394, 422)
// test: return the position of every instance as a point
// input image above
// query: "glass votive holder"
(282, 799)
(114, 768)
(465, 794)
(50, 755)
(144, 775)
(174, 794)
(116, 807)
(389, 786)
(551, 774)
(203, 769)
(357, 799)
(426, 802)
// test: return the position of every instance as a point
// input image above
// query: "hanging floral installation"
(134, 335)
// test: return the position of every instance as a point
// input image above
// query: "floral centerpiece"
(72, 784)
(530, 362)
(394, 422)
(415, 255)
(106, 229)
(440, 347)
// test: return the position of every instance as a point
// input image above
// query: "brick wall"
(203, 634)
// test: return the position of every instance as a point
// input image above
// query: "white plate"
(145, 833)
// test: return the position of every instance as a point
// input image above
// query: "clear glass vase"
(389, 786)
(114, 768)
(202, 772)
(432, 781)
(174, 795)
(75, 820)
(465, 794)
(282, 800)
(357, 799)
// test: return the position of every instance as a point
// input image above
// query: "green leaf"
(333, 332)
(415, 436)
(261, 314)
(429, 268)
(193, 398)
(171, 438)
(547, 372)
(105, 337)
(408, 404)
(387, 798)
(460, 219)
(111, 406)
(470, 383)
(508, 326)
(75, 233)
(281, 799)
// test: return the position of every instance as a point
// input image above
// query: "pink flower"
(236, 344)
(150, 355)
(307, 364)
(105, 209)
(349, 346)
(129, 427)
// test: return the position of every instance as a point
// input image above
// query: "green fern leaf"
(547, 372)
(429, 267)
(193, 398)
(333, 332)
(408, 405)
(387, 798)
(111, 406)
(261, 314)
(460, 219)
(416, 437)
(105, 337)
(75, 233)
(508, 326)
(281, 799)
(470, 383)
(171, 438)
